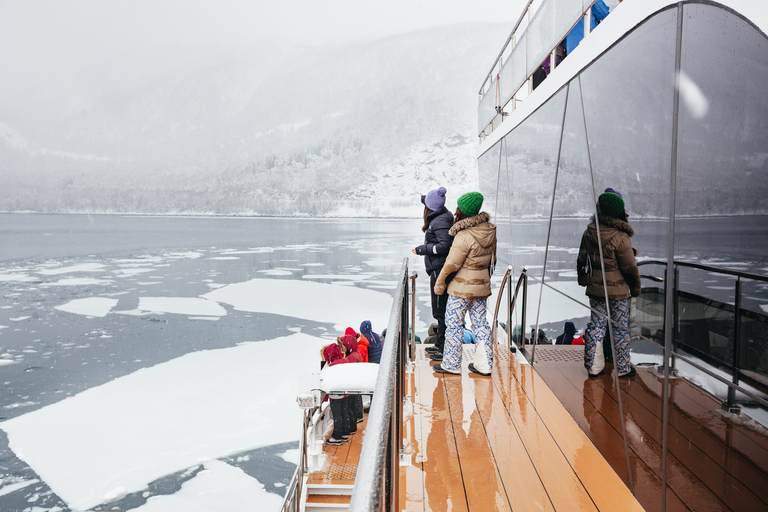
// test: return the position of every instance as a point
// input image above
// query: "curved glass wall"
(674, 116)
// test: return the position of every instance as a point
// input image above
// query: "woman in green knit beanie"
(469, 262)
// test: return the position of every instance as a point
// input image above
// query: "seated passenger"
(373, 349)
(567, 337)
(355, 402)
(341, 426)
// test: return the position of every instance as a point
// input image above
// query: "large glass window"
(722, 185)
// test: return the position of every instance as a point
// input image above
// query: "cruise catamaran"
(664, 101)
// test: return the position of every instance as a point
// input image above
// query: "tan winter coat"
(473, 249)
(621, 274)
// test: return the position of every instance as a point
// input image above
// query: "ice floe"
(79, 281)
(181, 306)
(217, 487)
(161, 420)
(21, 278)
(83, 267)
(90, 306)
(319, 302)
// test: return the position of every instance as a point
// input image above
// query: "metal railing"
(506, 282)
(292, 499)
(379, 461)
(377, 480)
(720, 316)
(550, 21)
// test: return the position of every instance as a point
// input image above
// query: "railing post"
(731, 401)
(524, 327)
(510, 302)
(675, 317)
(412, 344)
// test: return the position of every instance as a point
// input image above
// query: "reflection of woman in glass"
(472, 254)
(622, 280)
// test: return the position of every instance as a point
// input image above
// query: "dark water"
(58, 354)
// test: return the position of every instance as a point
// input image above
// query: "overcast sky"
(38, 37)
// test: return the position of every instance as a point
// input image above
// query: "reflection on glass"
(531, 150)
(573, 204)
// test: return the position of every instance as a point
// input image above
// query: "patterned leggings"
(596, 329)
(455, 312)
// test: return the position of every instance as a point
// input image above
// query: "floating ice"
(181, 306)
(339, 277)
(91, 306)
(84, 267)
(132, 271)
(164, 419)
(8, 488)
(276, 272)
(319, 302)
(79, 281)
(21, 278)
(217, 487)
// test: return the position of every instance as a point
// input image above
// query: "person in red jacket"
(362, 343)
(333, 355)
(355, 402)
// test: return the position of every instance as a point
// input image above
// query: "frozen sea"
(152, 363)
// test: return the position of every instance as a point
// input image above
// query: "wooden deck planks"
(586, 411)
(590, 481)
(442, 477)
(686, 455)
(694, 494)
(482, 483)
(521, 480)
(484, 446)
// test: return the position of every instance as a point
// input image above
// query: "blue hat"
(612, 191)
(435, 199)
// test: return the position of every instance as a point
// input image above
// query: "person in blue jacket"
(374, 342)
(574, 37)
(437, 244)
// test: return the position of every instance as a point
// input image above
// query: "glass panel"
(573, 206)
(532, 152)
(548, 27)
(628, 98)
(513, 72)
(486, 109)
(630, 145)
(722, 185)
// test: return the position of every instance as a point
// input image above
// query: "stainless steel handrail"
(736, 371)
(378, 473)
(295, 487)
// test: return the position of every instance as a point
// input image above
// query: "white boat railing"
(541, 28)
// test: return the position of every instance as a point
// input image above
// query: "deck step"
(328, 497)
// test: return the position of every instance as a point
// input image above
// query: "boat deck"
(549, 438)
(501, 443)
(716, 462)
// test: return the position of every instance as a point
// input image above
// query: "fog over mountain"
(282, 129)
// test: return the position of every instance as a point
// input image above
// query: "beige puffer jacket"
(473, 249)
(621, 273)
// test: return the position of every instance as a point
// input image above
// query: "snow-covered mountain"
(354, 129)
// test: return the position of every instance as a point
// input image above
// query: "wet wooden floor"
(499, 443)
(716, 462)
